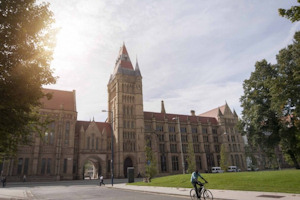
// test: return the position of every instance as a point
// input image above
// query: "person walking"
(101, 180)
(3, 180)
(24, 178)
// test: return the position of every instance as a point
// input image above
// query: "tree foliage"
(292, 14)
(271, 103)
(191, 158)
(224, 158)
(151, 169)
(27, 42)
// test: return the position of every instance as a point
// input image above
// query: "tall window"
(67, 133)
(215, 138)
(20, 166)
(162, 148)
(65, 165)
(51, 138)
(184, 138)
(159, 128)
(214, 131)
(217, 148)
(97, 143)
(184, 148)
(172, 137)
(43, 168)
(26, 165)
(206, 148)
(172, 129)
(88, 143)
(183, 129)
(173, 148)
(175, 166)
(46, 137)
(49, 166)
(195, 138)
(163, 163)
(198, 162)
(204, 130)
(194, 130)
(161, 137)
(196, 148)
(51, 134)
(93, 140)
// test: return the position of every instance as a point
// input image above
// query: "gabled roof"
(214, 112)
(182, 118)
(100, 125)
(61, 100)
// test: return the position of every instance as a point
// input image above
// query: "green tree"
(191, 158)
(27, 42)
(151, 168)
(259, 120)
(271, 104)
(224, 158)
(292, 14)
(286, 98)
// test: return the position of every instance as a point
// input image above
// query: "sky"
(193, 55)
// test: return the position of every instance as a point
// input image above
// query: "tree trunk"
(294, 159)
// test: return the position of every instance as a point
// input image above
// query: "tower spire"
(163, 107)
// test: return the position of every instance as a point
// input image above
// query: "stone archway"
(91, 168)
(127, 163)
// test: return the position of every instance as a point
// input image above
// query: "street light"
(178, 122)
(112, 146)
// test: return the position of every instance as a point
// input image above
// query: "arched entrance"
(127, 163)
(91, 169)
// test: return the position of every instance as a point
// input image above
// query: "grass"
(286, 181)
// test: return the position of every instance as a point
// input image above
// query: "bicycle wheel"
(193, 194)
(207, 195)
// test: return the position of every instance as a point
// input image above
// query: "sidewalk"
(218, 194)
(11, 193)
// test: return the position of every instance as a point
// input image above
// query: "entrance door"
(127, 163)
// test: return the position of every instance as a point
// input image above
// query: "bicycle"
(206, 194)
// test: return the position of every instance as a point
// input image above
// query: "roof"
(182, 118)
(100, 126)
(214, 112)
(123, 59)
(124, 65)
(65, 100)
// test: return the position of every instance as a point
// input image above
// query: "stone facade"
(68, 144)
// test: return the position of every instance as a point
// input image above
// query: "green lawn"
(287, 181)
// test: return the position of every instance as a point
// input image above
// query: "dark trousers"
(102, 182)
(196, 188)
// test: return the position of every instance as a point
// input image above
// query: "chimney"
(192, 112)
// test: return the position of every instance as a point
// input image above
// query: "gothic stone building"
(68, 144)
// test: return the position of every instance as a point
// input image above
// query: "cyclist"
(194, 181)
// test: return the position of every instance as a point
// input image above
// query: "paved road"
(88, 189)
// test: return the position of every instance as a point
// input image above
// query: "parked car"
(216, 170)
(233, 169)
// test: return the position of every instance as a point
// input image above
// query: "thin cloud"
(191, 55)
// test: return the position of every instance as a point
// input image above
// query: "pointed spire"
(234, 113)
(227, 109)
(123, 64)
(163, 107)
(93, 119)
(137, 68)
(219, 112)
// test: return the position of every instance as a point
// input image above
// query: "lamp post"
(112, 146)
(182, 160)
